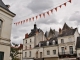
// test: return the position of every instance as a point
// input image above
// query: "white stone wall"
(5, 34)
(78, 52)
(50, 48)
(28, 43)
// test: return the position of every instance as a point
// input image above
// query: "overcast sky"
(28, 8)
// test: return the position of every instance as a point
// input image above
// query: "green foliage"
(13, 53)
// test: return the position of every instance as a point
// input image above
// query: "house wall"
(76, 35)
(50, 48)
(67, 43)
(78, 52)
(28, 43)
(5, 34)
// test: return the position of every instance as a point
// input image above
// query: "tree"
(14, 52)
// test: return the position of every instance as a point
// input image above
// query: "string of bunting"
(40, 15)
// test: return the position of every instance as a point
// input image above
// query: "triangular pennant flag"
(21, 22)
(51, 10)
(33, 18)
(69, 1)
(18, 23)
(29, 19)
(44, 15)
(26, 20)
(56, 8)
(40, 15)
(14, 23)
(48, 12)
(36, 17)
(65, 4)
(60, 6)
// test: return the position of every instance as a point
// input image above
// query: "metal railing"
(67, 53)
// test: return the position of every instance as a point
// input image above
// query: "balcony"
(67, 54)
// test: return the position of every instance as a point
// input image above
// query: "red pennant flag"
(36, 17)
(29, 19)
(60, 6)
(16, 24)
(56, 8)
(48, 12)
(33, 18)
(44, 15)
(26, 20)
(21, 22)
(69, 1)
(40, 15)
(51, 10)
(65, 4)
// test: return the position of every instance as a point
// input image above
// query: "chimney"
(26, 35)
(8, 6)
(60, 31)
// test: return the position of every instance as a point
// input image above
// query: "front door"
(1, 55)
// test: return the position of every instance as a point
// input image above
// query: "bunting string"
(41, 15)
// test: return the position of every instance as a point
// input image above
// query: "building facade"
(6, 17)
(55, 46)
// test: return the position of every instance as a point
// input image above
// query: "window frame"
(62, 40)
(54, 52)
(48, 52)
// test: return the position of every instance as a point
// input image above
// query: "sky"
(28, 8)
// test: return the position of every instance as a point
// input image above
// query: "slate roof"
(78, 42)
(44, 43)
(65, 27)
(67, 32)
(34, 31)
(4, 6)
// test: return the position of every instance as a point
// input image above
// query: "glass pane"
(1, 55)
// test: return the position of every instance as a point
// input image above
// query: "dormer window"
(47, 43)
(53, 42)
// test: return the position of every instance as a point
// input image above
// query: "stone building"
(57, 46)
(6, 17)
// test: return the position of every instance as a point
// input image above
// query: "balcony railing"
(68, 53)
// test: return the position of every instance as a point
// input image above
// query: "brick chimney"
(26, 35)
(60, 31)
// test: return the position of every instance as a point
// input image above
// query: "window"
(63, 50)
(54, 52)
(53, 41)
(25, 54)
(71, 49)
(62, 40)
(48, 52)
(40, 54)
(47, 43)
(30, 54)
(1, 55)
(30, 40)
(25, 47)
(26, 41)
(1, 25)
(30, 46)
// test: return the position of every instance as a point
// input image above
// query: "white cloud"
(27, 8)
